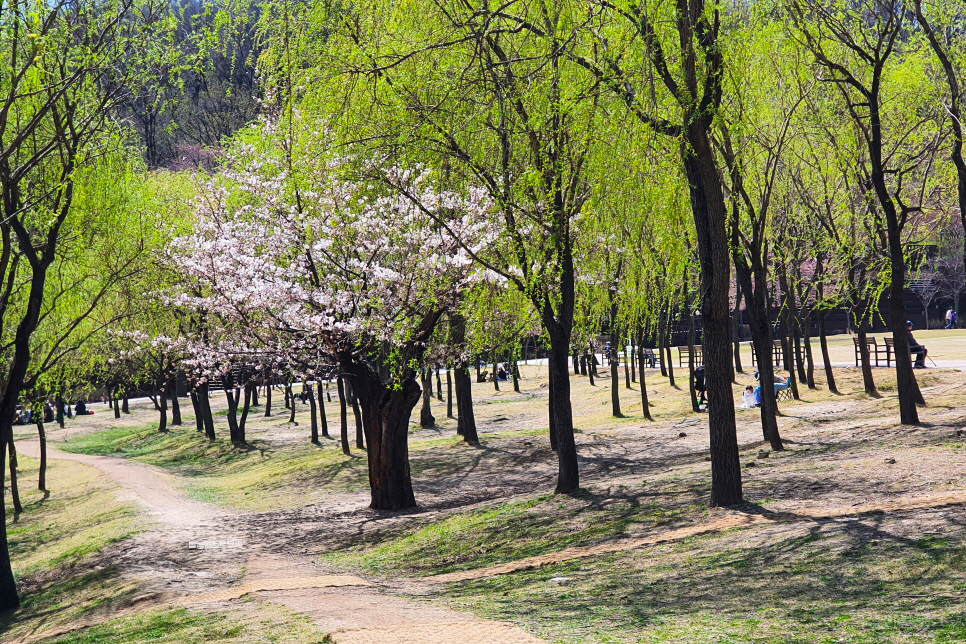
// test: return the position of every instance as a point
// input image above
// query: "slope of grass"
(821, 586)
(271, 624)
(507, 532)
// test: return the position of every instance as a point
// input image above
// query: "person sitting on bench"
(916, 349)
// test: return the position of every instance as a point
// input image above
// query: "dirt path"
(199, 536)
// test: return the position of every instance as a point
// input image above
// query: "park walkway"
(348, 609)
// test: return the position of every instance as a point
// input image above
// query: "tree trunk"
(291, 402)
(864, 357)
(823, 342)
(205, 402)
(439, 384)
(343, 415)
(695, 407)
(661, 328)
(322, 417)
(117, 408)
(645, 405)
(515, 372)
(313, 415)
(496, 381)
(199, 413)
(583, 364)
(59, 401)
(125, 408)
(42, 435)
(14, 488)
(449, 393)
(232, 409)
(268, 396)
(591, 367)
(736, 330)
(809, 358)
(386, 412)
(354, 401)
(568, 475)
(175, 406)
(799, 361)
(426, 418)
(633, 359)
(246, 405)
(162, 405)
(710, 217)
(466, 421)
(576, 362)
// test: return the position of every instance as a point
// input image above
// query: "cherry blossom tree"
(319, 264)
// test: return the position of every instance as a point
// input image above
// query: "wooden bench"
(776, 353)
(890, 348)
(684, 354)
(648, 356)
(875, 350)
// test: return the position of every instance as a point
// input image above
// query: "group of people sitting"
(25, 416)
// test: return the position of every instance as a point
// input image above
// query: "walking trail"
(197, 535)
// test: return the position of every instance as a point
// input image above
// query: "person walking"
(949, 318)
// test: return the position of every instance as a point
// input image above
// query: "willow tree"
(62, 77)
(878, 73)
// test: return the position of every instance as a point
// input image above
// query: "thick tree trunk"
(386, 412)
(583, 364)
(562, 421)
(42, 435)
(710, 217)
(343, 415)
(466, 421)
(125, 407)
(552, 418)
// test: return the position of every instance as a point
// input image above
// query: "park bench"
(890, 350)
(875, 350)
(649, 357)
(776, 352)
(684, 353)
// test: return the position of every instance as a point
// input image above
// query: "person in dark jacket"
(916, 349)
